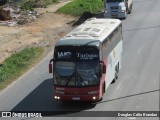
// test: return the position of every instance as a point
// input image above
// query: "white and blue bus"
(87, 60)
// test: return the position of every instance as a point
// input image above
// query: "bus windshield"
(78, 67)
(87, 73)
(65, 69)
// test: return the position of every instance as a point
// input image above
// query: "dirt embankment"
(44, 31)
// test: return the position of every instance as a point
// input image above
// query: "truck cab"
(117, 8)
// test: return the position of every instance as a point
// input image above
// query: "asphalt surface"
(138, 85)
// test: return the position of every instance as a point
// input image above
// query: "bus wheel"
(115, 76)
(113, 81)
(116, 72)
(103, 91)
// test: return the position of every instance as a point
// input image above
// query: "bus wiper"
(70, 79)
(81, 79)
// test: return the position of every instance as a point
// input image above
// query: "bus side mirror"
(50, 66)
(103, 67)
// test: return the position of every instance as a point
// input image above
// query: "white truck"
(117, 8)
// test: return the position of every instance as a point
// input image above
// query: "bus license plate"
(75, 98)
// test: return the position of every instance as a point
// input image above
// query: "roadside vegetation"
(75, 7)
(17, 64)
(31, 4)
(78, 7)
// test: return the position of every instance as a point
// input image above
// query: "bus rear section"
(82, 60)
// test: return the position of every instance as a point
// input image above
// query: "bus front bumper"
(77, 97)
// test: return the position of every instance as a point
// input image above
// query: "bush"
(78, 7)
(28, 5)
(18, 63)
(31, 4)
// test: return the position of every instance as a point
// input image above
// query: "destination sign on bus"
(71, 55)
(86, 56)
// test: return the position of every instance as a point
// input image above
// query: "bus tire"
(103, 91)
(116, 75)
(113, 81)
(116, 72)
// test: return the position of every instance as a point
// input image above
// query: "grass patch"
(31, 4)
(17, 64)
(78, 7)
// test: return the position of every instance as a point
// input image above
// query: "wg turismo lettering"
(86, 55)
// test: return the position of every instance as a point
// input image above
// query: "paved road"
(136, 90)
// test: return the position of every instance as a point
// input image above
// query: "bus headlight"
(56, 97)
(94, 98)
(92, 92)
